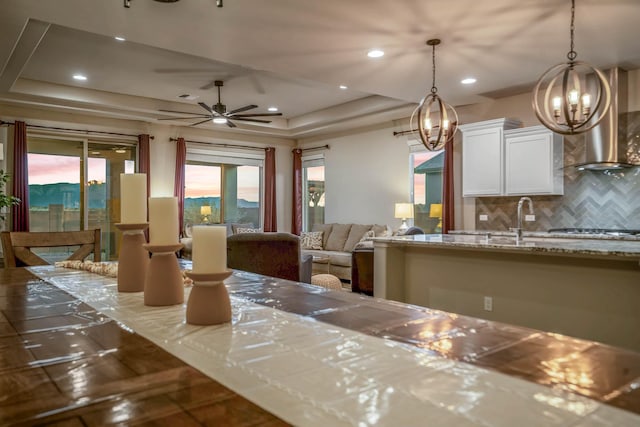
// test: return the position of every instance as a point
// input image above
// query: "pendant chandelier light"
(434, 135)
(572, 97)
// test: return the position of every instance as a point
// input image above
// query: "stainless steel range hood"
(606, 144)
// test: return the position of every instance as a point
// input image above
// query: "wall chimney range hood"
(607, 144)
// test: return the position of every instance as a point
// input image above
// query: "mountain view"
(43, 195)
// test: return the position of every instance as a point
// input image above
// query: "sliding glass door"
(75, 185)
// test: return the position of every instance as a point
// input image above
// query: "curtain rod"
(404, 132)
(320, 147)
(218, 144)
(74, 130)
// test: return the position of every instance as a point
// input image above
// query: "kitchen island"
(583, 287)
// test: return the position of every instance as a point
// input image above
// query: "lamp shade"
(404, 210)
(205, 210)
(435, 210)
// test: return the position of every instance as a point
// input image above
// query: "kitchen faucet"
(518, 229)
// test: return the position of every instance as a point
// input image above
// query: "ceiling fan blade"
(231, 124)
(206, 107)
(241, 109)
(245, 119)
(195, 124)
(183, 118)
(258, 115)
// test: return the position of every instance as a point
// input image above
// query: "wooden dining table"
(66, 362)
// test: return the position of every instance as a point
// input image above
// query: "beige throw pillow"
(338, 237)
(368, 236)
(311, 240)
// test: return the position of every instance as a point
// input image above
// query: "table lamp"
(205, 211)
(435, 211)
(403, 211)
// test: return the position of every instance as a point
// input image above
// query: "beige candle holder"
(133, 259)
(163, 284)
(208, 302)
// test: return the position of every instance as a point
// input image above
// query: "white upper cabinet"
(483, 157)
(533, 161)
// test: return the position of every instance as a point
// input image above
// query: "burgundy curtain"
(20, 179)
(144, 163)
(270, 219)
(296, 222)
(178, 189)
(448, 213)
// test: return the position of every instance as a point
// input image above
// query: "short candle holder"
(163, 284)
(133, 260)
(208, 302)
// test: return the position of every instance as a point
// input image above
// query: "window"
(74, 184)
(426, 190)
(221, 188)
(313, 196)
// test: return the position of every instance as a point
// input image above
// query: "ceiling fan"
(218, 113)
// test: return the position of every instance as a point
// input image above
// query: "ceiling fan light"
(219, 120)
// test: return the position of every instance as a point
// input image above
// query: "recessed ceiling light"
(119, 38)
(375, 53)
(79, 77)
(219, 120)
(272, 109)
(95, 153)
(343, 87)
(468, 81)
(120, 150)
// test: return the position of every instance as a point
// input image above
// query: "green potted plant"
(5, 200)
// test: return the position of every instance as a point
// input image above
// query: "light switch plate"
(529, 217)
(484, 217)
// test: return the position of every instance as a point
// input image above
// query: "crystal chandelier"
(434, 135)
(572, 97)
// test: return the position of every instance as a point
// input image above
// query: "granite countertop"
(540, 243)
(545, 234)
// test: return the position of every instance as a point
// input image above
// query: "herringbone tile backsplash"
(591, 200)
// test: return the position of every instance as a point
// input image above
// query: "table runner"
(310, 373)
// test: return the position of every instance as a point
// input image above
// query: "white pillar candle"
(133, 194)
(209, 249)
(163, 221)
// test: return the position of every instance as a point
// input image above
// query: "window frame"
(311, 160)
(215, 156)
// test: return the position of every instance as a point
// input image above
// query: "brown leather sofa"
(271, 254)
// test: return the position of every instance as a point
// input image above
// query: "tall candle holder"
(208, 302)
(133, 260)
(163, 284)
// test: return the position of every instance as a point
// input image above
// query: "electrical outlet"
(488, 304)
(529, 217)
(484, 217)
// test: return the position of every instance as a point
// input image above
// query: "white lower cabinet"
(533, 162)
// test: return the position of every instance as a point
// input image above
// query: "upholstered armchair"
(270, 254)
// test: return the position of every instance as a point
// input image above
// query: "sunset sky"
(204, 181)
(49, 169)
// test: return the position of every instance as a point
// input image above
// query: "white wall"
(366, 173)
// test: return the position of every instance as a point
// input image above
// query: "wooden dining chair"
(17, 245)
